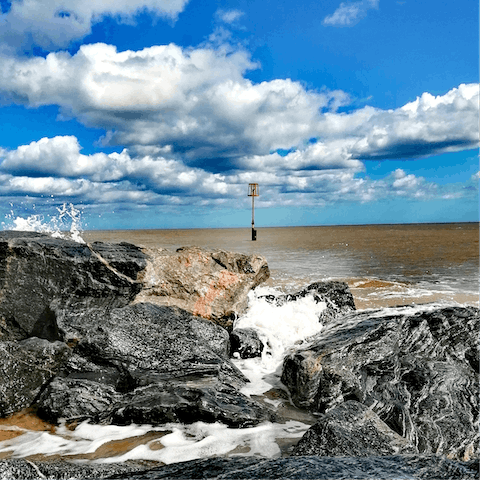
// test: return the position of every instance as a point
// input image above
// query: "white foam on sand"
(279, 327)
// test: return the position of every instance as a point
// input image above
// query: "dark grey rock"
(150, 341)
(147, 364)
(337, 296)
(76, 399)
(189, 401)
(351, 429)
(25, 367)
(416, 371)
(40, 274)
(20, 469)
(399, 467)
(246, 342)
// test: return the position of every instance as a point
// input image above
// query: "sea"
(410, 266)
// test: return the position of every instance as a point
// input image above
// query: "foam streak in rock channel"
(279, 327)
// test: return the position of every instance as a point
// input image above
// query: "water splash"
(279, 327)
(66, 224)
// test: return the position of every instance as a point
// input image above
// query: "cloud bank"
(191, 129)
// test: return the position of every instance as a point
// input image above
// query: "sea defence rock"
(40, 275)
(212, 285)
(149, 364)
(77, 342)
(352, 429)
(336, 296)
(393, 467)
(417, 371)
(25, 367)
(246, 342)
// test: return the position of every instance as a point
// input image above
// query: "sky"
(159, 113)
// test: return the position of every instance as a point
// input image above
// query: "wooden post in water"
(253, 191)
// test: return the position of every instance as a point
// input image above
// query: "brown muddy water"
(384, 265)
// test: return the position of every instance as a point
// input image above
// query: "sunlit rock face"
(212, 285)
(418, 372)
(40, 274)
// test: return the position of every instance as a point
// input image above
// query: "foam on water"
(279, 328)
(65, 224)
(179, 444)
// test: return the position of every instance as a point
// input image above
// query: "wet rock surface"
(39, 274)
(418, 372)
(25, 367)
(405, 467)
(146, 363)
(246, 342)
(352, 429)
(19, 469)
(336, 296)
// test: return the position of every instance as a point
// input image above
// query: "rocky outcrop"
(336, 297)
(25, 367)
(352, 429)
(411, 467)
(417, 371)
(150, 364)
(212, 285)
(78, 343)
(40, 275)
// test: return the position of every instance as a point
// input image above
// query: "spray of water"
(65, 224)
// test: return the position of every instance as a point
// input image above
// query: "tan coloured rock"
(210, 284)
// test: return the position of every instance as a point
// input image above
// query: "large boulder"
(417, 371)
(352, 429)
(149, 364)
(25, 367)
(40, 274)
(212, 285)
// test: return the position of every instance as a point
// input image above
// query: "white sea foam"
(65, 224)
(279, 327)
(181, 442)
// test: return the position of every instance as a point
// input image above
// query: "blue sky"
(158, 113)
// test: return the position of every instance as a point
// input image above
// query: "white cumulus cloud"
(55, 23)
